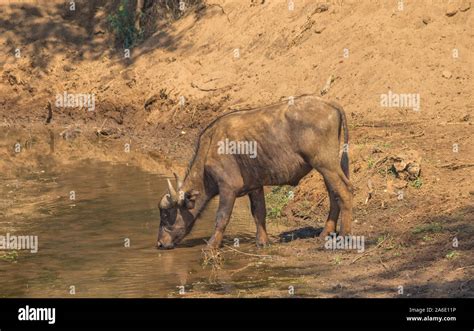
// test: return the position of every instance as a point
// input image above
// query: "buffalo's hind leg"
(259, 213)
(341, 191)
(334, 211)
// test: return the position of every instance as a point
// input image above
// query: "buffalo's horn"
(165, 202)
(172, 191)
(179, 182)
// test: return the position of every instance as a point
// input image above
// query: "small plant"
(10, 257)
(337, 260)
(277, 200)
(431, 227)
(427, 238)
(452, 255)
(417, 183)
(123, 26)
(370, 163)
(381, 238)
(388, 172)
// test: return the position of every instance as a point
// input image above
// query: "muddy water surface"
(83, 242)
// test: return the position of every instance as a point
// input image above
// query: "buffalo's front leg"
(259, 212)
(226, 204)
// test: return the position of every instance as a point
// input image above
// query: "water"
(82, 242)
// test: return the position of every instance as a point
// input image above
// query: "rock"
(407, 165)
(70, 133)
(150, 101)
(322, 7)
(109, 132)
(319, 29)
(12, 78)
(131, 83)
(68, 68)
(447, 74)
(465, 5)
(426, 20)
(452, 9)
(399, 165)
(413, 170)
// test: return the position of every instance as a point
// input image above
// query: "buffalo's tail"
(345, 148)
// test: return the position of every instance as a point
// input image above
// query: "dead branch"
(371, 191)
(50, 113)
(385, 124)
(249, 254)
(327, 86)
(99, 131)
(466, 267)
(416, 135)
(456, 123)
(383, 264)
(456, 166)
(243, 268)
(369, 251)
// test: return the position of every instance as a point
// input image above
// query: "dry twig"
(248, 254)
(454, 166)
(369, 251)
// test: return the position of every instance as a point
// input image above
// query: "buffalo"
(242, 151)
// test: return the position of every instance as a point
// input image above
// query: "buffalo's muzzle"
(160, 245)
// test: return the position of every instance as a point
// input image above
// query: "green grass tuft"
(277, 200)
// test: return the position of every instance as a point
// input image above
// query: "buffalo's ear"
(190, 198)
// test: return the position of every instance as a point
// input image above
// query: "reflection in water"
(83, 242)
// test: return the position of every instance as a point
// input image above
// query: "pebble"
(465, 5)
(452, 9)
(447, 74)
(426, 20)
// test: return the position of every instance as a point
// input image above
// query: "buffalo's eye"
(165, 216)
(168, 216)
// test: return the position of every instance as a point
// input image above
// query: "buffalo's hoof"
(344, 234)
(263, 244)
(213, 244)
(325, 233)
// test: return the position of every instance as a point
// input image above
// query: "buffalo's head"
(176, 220)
